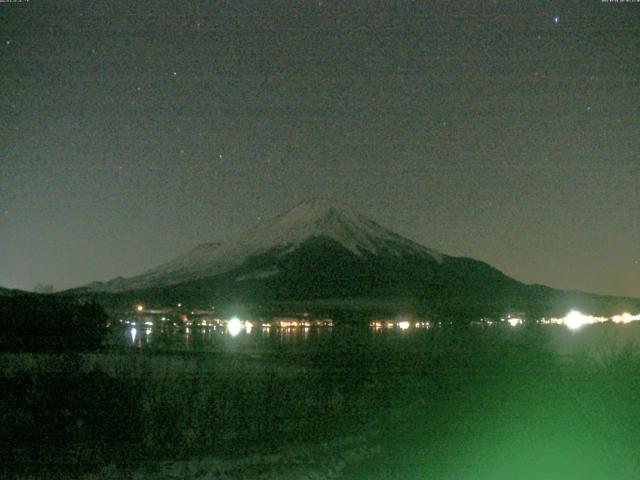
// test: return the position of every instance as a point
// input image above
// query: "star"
(556, 20)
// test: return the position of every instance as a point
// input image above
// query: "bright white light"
(574, 320)
(626, 317)
(404, 325)
(139, 308)
(248, 326)
(134, 332)
(514, 322)
(234, 326)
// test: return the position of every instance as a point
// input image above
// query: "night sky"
(507, 132)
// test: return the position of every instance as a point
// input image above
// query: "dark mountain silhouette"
(325, 253)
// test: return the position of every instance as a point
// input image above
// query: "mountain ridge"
(323, 251)
(314, 218)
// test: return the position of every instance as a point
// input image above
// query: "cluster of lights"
(575, 320)
(625, 318)
(572, 320)
(235, 326)
(232, 324)
(514, 321)
(402, 324)
(293, 323)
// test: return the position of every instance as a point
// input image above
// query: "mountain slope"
(321, 251)
(312, 219)
(8, 292)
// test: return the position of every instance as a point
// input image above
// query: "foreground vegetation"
(465, 403)
(46, 323)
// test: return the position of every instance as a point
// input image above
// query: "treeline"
(48, 324)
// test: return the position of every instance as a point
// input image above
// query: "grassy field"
(469, 404)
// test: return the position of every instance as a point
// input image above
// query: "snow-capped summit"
(334, 220)
(325, 255)
(316, 218)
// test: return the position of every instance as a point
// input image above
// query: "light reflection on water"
(267, 338)
(248, 339)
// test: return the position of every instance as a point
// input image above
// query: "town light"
(626, 317)
(574, 320)
(514, 322)
(234, 326)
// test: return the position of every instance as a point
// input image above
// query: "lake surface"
(597, 340)
(219, 338)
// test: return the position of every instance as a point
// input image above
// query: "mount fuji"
(337, 224)
(323, 251)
